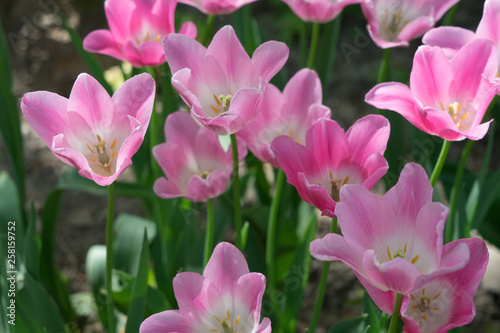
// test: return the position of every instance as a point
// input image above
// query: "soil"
(43, 58)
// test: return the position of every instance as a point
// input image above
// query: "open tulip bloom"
(452, 39)
(92, 131)
(393, 23)
(217, 7)
(227, 298)
(290, 113)
(222, 85)
(447, 98)
(332, 158)
(200, 169)
(137, 28)
(320, 11)
(394, 242)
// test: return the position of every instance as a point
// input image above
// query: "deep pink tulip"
(320, 11)
(227, 298)
(137, 28)
(393, 23)
(447, 301)
(92, 131)
(332, 158)
(394, 242)
(291, 113)
(452, 39)
(217, 7)
(221, 84)
(447, 98)
(193, 160)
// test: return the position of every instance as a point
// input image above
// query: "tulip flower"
(217, 7)
(447, 98)
(393, 23)
(320, 11)
(452, 39)
(227, 298)
(137, 28)
(92, 131)
(394, 242)
(332, 158)
(222, 85)
(447, 301)
(291, 113)
(193, 160)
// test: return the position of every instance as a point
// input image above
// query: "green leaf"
(94, 67)
(135, 315)
(357, 324)
(129, 234)
(35, 309)
(327, 52)
(32, 245)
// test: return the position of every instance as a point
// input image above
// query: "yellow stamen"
(331, 176)
(436, 296)
(214, 330)
(237, 321)
(464, 116)
(215, 109)
(291, 133)
(147, 36)
(158, 38)
(114, 154)
(98, 138)
(442, 106)
(228, 315)
(404, 249)
(345, 180)
(90, 148)
(217, 319)
(412, 297)
(298, 140)
(92, 159)
(113, 144)
(425, 317)
(380, 262)
(413, 307)
(423, 291)
(216, 100)
(414, 260)
(436, 309)
(389, 253)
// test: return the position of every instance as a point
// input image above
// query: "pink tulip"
(320, 11)
(217, 7)
(291, 113)
(447, 301)
(332, 158)
(393, 23)
(221, 84)
(447, 98)
(196, 165)
(92, 131)
(452, 39)
(136, 29)
(394, 242)
(227, 298)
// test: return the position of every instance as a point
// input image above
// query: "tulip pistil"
(226, 324)
(101, 156)
(424, 304)
(336, 185)
(222, 102)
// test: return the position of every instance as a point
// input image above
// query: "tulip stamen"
(101, 156)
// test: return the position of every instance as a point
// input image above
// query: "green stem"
(109, 258)
(209, 233)
(384, 66)
(440, 162)
(450, 223)
(271, 231)
(322, 286)
(236, 191)
(393, 326)
(208, 30)
(314, 45)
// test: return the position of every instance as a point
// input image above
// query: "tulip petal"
(103, 41)
(166, 321)
(269, 58)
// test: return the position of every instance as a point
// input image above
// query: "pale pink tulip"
(332, 158)
(394, 242)
(217, 7)
(92, 131)
(291, 113)
(393, 23)
(137, 28)
(447, 98)
(320, 11)
(452, 39)
(227, 298)
(222, 85)
(193, 160)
